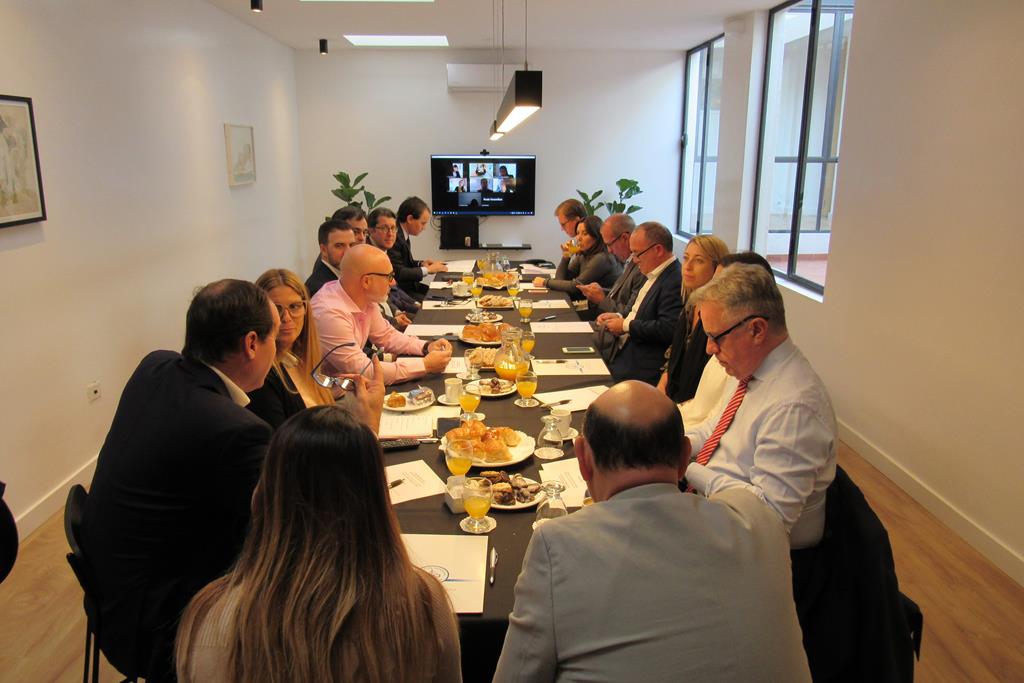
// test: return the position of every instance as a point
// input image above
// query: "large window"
(802, 110)
(702, 107)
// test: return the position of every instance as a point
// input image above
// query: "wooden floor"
(973, 612)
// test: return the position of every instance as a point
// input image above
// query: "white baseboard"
(43, 509)
(977, 536)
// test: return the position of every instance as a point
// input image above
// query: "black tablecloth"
(482, 634)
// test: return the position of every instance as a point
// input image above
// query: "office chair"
(8, 537)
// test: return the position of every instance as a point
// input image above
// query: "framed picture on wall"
(241, 149)
(21, 184)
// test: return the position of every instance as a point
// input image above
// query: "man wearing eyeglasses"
(774, 433)
(616, 231)
(633, 343)
(392, 233)
(347, 310)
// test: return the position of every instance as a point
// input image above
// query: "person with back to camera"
(686, 357)
(323, 589)
(593, 263)
(289, 387)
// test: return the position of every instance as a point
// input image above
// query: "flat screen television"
(482, 185)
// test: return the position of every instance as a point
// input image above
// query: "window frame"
(683, 141)
(828, 128)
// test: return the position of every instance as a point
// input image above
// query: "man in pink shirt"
(346, 310)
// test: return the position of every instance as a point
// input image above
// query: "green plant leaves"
(349, 189)
(628, 188)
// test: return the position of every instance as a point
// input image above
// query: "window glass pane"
(711, 148)
(787, 63)
(694, 130)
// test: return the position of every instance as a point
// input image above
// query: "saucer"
(443, 400)
(573, 433)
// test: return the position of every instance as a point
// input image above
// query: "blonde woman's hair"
(305, 351)
(323, 589)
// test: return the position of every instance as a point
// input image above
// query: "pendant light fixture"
(523, 97)
(323, 46)
(256, 5)
(494, 134)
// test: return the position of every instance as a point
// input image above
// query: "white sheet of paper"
(575, 326)
(550, 303)
(418, 481)
(456, 366)
(567, 472)
(529, 269)
(460, 266)
(433, 330)
(571, 366)
(528, 286)
(442, 306)
(458, 562)
(405, 425)
(440, 284)
(580, 399)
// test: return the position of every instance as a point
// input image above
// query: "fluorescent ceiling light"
(522, 99)
(367, 0)
(398, 41)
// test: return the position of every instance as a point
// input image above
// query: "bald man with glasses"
(347, 310)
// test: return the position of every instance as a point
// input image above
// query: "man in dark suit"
(335, 237)
(412, 219)
(615, 232)
(169, 501)
(643, 333)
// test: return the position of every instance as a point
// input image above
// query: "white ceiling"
(553, 24)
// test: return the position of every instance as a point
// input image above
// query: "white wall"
(919, 334)
(130, 100)
(606, 115)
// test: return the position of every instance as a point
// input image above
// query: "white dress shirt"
(239, 397)
(781, 444)
(713, 381)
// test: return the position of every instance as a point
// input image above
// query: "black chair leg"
(95, 659)
(88, 651)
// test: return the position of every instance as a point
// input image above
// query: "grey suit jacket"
(657, 585)
(623, 293)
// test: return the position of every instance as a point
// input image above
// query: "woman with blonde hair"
(688, 354)
(289, 387)
(323, 589)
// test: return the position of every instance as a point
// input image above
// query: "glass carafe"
(549, 441)
(510, 360)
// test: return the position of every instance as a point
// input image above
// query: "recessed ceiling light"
(398, 41)
(367, 0)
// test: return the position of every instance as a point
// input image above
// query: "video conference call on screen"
(479, 185)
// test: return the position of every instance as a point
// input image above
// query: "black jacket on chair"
(169, 504)
(650, 333)
(408, 271)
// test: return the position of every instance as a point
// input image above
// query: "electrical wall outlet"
(92, 391)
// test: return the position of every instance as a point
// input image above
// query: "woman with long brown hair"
(323, 589)
(688, 355)
(289, 387)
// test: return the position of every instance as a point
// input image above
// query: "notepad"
(461, 266)
(570, 366)
(417, 481)
(579, 399)
(568, 473)
(458, 562)
(562, 327)
(405, 426)
(551, 303)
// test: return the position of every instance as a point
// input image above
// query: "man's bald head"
(633, 426)
(362, 259)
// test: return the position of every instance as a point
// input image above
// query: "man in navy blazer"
(412, 219)
(640, 337)
(169, 501)
(335, 236)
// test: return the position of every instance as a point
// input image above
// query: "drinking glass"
(458, 456)
(513, 284)
(476, 496)
(573, 246)
(476, 289)
(553, 506)
(549, 442)
(470, 399)
(468, 277)
(525, 307)
(528, 341)
(526, 384)
(472, 366)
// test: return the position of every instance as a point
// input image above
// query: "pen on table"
(395, 483)
(548, 317)
(494, 563)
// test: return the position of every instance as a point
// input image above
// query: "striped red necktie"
(723, 423)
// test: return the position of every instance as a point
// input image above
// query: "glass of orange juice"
(476, 496)
(528, 341)
(513, 284)
(467, 277)
(526, 385)
(458, 456)
(469, 399)
(525, 307)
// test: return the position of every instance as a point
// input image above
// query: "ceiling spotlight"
(323, 46)
(256, 5)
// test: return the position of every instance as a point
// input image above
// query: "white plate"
(496, 319)
(483, 394)
(477, 342)
(522, 506)
(519, 452)
(573, 433)
(443, 400)
(408, 408)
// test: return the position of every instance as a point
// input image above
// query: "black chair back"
(8, 537)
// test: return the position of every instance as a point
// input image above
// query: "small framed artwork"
(21, 183)
(241, 149)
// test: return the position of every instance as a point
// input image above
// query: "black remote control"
(399, 444)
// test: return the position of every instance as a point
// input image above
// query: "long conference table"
(482, 634)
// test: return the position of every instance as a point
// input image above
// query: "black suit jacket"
(650, 333)
(169, 504)
(320, 276)
(408, 271)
